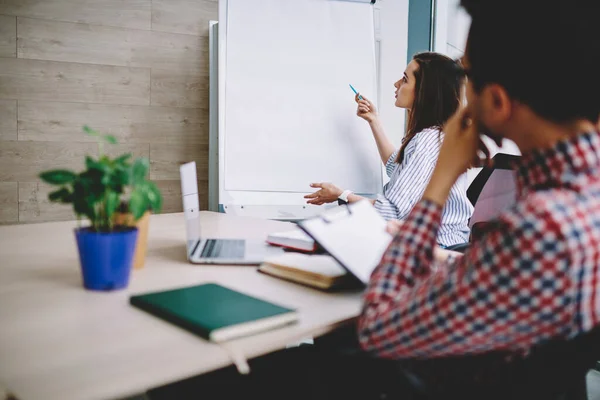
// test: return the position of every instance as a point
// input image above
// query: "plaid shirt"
(533, 275)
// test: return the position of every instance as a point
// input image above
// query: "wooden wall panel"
(184, 16)
(8, 36)
(171, 191)
(133, 14)
(58, 81)
(63, 122)
(137, 150)
(166, 159)
(181, 54)
(23, 161)
(34, 205)
(177, 90)
(136, 69)
(92, 44)
(8, 120)
(8, 202)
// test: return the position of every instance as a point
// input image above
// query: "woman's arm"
(385, 147)
(353, 198)
(328, 193)
(366, 110)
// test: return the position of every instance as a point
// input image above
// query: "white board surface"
(290, 116)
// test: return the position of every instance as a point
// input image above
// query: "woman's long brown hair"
(437, 94)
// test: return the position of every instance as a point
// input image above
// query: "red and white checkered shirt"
(532, 276)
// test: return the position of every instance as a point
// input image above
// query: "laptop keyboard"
(223, 248)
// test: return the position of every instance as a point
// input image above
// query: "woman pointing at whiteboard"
(430, 91)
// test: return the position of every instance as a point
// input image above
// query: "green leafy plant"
(104, 186)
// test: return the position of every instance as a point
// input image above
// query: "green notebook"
(214, 312)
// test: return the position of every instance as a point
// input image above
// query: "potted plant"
(106, 247)
(146, 198)
(124, 217)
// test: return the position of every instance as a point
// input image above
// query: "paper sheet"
(357, 240)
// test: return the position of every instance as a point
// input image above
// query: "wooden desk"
(59, 341)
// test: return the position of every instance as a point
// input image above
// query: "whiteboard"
(287, 112)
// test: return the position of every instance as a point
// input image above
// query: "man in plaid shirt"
(534, 275)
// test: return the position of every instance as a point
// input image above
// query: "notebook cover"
(204, 308)
(345, 282)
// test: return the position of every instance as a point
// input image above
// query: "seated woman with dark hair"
(430, 90)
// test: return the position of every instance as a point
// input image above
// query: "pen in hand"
(355, 92)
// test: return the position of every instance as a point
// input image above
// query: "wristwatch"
(343, 198)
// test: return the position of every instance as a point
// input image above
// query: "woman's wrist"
(374, 121)
(353, 198)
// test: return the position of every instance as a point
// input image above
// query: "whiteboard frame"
(270, 205)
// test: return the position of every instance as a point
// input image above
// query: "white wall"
(451, 28)
(451, 31)
(394, 45)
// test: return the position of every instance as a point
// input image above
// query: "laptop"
(202, 250)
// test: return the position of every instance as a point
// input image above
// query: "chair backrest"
(501, 161)
(497, 187)
(493, 190)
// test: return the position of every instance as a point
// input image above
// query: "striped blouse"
(409, 179)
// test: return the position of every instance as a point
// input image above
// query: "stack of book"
(315, 270)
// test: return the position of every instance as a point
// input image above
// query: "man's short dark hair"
(546, 54)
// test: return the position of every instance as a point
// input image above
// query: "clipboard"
(354, 235)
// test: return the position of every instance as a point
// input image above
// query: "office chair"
(501, 161)
(555, 370)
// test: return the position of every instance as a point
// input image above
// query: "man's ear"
(497, 105)
(497, 102)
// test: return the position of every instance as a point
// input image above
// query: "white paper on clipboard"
(354, 235)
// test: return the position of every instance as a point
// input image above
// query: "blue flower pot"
(106, 257)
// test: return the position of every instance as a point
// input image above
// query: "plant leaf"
(92, 185)
(120, 176)
(137, 204)
(154, 197)
(60, 196)
(110, 204)
(58, 176)
(122, 159)
(82, 203)
(140, 170)
(90, 131)
(110, 139)
(90, 163)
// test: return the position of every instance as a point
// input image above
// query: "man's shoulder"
(540, 207)
(547, 212)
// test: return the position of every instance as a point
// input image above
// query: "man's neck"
(538, 133)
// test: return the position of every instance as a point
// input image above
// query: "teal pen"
(355, 92)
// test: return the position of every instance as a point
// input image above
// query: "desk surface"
(59, 341)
